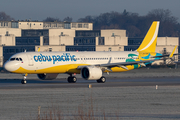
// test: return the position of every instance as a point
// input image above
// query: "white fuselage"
(37, 62)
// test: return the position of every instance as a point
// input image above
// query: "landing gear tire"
(23, 81)
(101, 80)
(72, 79)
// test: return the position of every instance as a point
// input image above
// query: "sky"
(41, 9)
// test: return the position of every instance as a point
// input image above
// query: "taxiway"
(130, 95)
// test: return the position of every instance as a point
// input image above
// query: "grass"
(83, 112)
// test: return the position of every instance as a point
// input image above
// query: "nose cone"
(11, 66)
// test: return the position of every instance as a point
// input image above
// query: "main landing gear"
(101, 80)
(24, 79)
(72, 79)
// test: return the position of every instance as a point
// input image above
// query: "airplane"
(91, 65)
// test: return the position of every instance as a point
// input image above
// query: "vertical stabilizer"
(149, 42)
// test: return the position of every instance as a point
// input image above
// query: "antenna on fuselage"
(25, 50)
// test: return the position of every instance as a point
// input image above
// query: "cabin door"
(30, 60)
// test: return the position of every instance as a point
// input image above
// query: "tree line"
(134, 24)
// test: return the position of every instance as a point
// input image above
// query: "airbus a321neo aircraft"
(91, 65)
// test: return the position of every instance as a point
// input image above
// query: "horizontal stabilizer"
(168, 55)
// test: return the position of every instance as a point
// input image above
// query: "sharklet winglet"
(171, 55)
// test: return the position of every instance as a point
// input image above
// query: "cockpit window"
(17, 59)
(12, 59)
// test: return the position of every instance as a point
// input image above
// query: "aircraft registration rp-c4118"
(91, 65)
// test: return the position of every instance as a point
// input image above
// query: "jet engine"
(91, 73)
(47, 76)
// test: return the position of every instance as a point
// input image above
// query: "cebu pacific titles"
(91, 65)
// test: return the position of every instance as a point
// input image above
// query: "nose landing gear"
(24, 79)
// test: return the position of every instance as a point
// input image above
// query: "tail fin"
(149, 42)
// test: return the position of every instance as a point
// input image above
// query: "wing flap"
(124, 67)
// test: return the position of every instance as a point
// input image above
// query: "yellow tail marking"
(149, 42)
(171, 55)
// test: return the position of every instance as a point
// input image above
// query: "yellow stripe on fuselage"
(70, 68)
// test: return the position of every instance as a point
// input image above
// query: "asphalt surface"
(135, 95)
(81, 83)
(139, 77)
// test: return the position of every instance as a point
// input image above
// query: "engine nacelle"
(47, 76)
(91, 73)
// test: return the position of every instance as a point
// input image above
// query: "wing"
(109, 65)
(123, 64)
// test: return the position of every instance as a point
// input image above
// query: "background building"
(18, 36)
